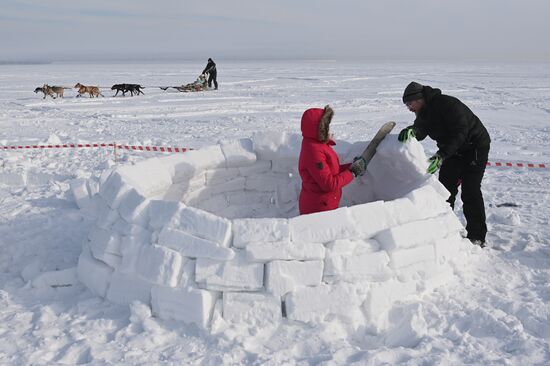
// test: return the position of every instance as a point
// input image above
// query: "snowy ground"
(497, 312)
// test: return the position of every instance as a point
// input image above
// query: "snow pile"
(215, 232)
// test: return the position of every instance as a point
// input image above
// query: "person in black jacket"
(210, 69)
(463, 144)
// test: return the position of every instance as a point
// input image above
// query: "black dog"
(132, 88)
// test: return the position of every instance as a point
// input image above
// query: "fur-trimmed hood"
(316, 123)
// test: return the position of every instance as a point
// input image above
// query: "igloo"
(217, 231)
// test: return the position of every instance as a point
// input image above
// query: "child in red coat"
(322, 175)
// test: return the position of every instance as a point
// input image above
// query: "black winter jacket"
(448, 121)
(210, 68)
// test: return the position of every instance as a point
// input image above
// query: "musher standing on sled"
(463, 144)
(210, 69)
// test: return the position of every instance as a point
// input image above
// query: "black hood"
(430, 93)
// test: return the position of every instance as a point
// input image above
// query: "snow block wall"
(217, 231)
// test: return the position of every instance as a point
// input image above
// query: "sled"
(187, 88)
(200, 84)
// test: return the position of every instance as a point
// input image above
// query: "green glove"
(435, 163)
(406, 134)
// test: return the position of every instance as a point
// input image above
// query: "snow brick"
(260, 166)
(189, 305)
(265, 252)
(323, 227)
(405, 257)
(372, 217)
(79, 189)
(238, 152)
(157, 179)
(114, 189)
(126, 288)
(220, 176)
(133, 208)
(428, 201)
(192, 246)
(160, 212)
(104, 241)
(237, 274)
(259, 231)
(159, 265)
(251, 308)
(61, 278)
(381, 297)
(351, 260)
(415, 233)
(95, 274)
(314, 304)
(194, 162)
(286, 276)
(204, 225)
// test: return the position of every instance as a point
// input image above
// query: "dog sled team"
(203, 82)
(91, 90)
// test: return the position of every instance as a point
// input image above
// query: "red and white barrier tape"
(75, 146)
(184, 149)
(518, 165)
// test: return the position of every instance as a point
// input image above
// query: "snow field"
(219, 225)
(494, 311)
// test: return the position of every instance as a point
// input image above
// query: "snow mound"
(215, 232)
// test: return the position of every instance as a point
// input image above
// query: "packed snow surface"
(494, 311)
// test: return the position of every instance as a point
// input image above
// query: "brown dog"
(52, 91)
(93, 91)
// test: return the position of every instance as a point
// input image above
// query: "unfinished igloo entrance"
(217, 231)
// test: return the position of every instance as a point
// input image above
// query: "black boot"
(481, 243)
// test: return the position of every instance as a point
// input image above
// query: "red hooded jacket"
(322, 175)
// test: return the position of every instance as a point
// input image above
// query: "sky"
(417, 30)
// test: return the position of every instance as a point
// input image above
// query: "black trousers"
(212, 78)
(467, 169)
